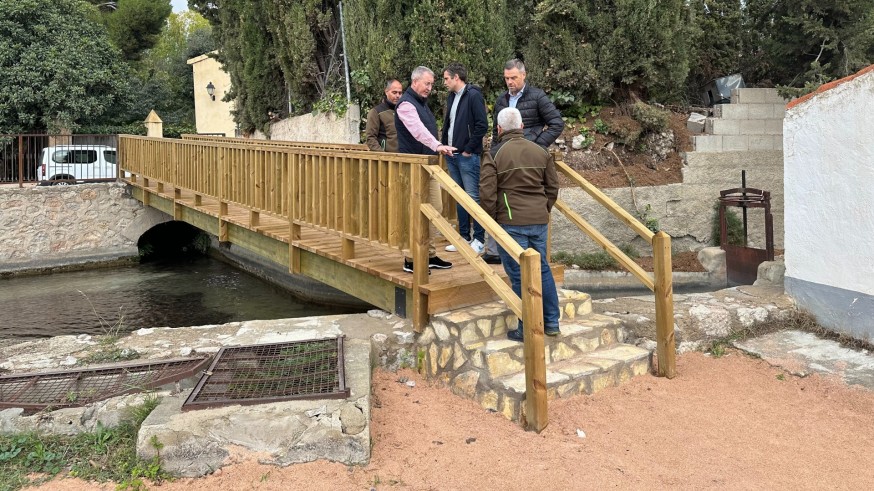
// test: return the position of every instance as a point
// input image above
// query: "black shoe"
(408, 266)
(437, 263)
(491, 258)
(551, 331)
(515, 335)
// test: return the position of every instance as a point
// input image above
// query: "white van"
(69, 164)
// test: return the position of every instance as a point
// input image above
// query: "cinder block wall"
(753, 121)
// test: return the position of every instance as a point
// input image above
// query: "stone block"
(730, 111)
(489, 400)
(707, 143)
(601, 381)
(774, 127)
(465, 384)
(752, 127)
(771, 273)
(735, 143)
(695, 123)
(500, 364)
(760, 111)
(717, 126)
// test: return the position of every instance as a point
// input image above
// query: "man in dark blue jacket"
(465, 124)
(541, 119)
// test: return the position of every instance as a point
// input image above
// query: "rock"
(695, 123)
(465, 384)
(186, 351)
(317, 411)
(711, 320)
(581, 433)
(577, 142)
(68, 361)
(713, 260)
(770, 273)
(352, 420)
(559, 141)
(748, 317)
(661, 144)
(404, 337)
(379, 314)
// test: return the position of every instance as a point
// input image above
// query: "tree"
(57, 67)
(135, 25)
(809, 42)
(388, 39)
(620, 49)
(167, 79)
(717, 43)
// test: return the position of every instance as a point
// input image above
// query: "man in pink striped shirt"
(417, 134)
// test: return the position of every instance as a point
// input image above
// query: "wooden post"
(419, 244)
(664, 300)
(535, 356)
(295, 169)
(223, 205)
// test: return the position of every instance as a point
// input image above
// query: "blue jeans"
(465, 172)
(533, 236)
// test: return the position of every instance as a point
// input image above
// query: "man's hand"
(466, 154)
(446, 150)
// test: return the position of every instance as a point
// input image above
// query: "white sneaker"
(477, 246)
(451, 248)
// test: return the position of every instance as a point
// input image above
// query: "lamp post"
(210, 89)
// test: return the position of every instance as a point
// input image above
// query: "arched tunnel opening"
(172, 241)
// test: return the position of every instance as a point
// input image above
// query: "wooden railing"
(528, 307)
(274, 143)
(661, 283)
(360, 196)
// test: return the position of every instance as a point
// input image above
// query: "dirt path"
(732, 422)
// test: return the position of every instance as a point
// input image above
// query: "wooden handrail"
(608, 246)
(528, 307)
(626, 218)
(660, 283)
(281, 143)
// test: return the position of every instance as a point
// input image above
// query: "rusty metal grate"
(72, 388)
(311, 369)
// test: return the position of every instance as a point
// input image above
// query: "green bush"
(735, 227)
(626, 130)
(650, 118)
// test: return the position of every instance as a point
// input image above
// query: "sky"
(179, 5)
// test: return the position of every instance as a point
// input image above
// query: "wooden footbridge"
(346, 216)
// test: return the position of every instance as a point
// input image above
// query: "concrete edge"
(71, 262)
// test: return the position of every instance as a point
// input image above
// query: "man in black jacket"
(465, 124)
(542, 121)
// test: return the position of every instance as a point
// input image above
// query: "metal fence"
(57, 159)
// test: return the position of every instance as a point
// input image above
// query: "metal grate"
(72, 388)
(311, 369)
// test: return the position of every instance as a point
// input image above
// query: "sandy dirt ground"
(732, 423)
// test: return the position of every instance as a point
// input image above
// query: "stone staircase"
(468, 350)
(753, 121)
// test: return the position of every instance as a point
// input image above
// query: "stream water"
(195, 292)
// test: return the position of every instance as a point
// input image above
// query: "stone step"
(501, 356)
(735, 111)
(586, 373)
(718, 126)
(473, 324)
(756, 96)
(736, 143)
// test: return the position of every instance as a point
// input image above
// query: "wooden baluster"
(664, 298)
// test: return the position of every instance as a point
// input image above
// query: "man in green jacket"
(518, 186)
(380, 128)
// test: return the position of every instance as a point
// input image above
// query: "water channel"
(197, 291)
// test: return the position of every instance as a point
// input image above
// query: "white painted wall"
(829, 187)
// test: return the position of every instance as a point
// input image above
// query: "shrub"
(626, 130)
(650, 117)
(735, 227)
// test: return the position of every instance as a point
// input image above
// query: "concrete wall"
(321, 128)
(753, 121)
(60, 225)
(829, 167)
(685, 211)
(212, 116)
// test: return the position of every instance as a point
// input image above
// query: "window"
(110, 156)
(75, 156)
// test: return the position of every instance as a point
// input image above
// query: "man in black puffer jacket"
(542, 121)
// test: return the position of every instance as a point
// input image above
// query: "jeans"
(533, 236)
(465, 172)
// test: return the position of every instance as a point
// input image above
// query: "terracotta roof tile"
(828, 86)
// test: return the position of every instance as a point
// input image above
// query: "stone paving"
(467, 349)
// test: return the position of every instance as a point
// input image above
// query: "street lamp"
(210, 89)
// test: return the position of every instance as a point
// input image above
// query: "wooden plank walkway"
(447, 289)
